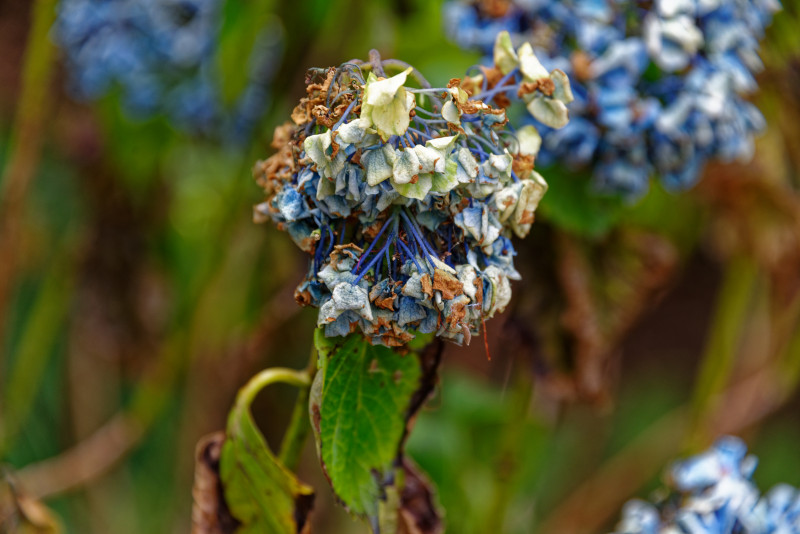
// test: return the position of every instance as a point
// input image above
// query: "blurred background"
(137, 295)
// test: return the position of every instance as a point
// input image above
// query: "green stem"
(511, 448)
(299, 425)
(26, 143)
(267, 377)
(33, 352)
(732, 309)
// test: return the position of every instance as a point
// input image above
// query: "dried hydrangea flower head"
(406, 196)
(660, 87)
(711, 493)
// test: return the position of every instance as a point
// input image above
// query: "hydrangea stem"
(299, 425)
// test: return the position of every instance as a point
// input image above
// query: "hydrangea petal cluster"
(660, 87)
(160, 53)
(712, 493)
(406, 198)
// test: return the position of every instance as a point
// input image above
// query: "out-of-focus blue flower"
(406, 198)
(160, 54)
(712, 493)
(664, 88)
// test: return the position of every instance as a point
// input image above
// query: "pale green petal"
(505, 58)
(531, 194)
(563, 89)
(548, 111)
(316, 147)
(430, 159)
(529, 140)
(383, 92)
(387, 105)
(406, 166)
(446, 181)
(439, 264)
(352, 132)
(325, 188)
(498, 165)
(418, 190)
(468, 162)
(506, 201)
(442, 143)
(451, 113)
(379, 164)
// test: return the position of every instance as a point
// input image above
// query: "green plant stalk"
(789, 365)
(732, 309)
(33, 352)
(299, 426)
(33, 108)
(267, 377)
(511, 447)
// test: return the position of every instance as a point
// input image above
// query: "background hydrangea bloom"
(659, 89)
(160, 54)
(406, 198)
(712, 493)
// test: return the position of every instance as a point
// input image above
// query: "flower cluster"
(712, 494)
(660, 87)
(406, 198)
(160, 53)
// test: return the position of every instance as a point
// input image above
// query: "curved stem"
(376, 63)
(295, 437)
(402, 65)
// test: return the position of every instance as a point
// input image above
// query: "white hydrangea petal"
(451, 113)
(530, 66)
(529, 140)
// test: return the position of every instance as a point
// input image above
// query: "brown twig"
(102, 450)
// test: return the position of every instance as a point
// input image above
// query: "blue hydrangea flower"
(159, 53)
(658, 90)
(406, 198)
(712, 493)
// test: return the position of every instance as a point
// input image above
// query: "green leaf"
(260, 492)
(360, 402)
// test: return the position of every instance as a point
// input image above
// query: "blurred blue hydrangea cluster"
(660, 86)
(160, 54)
(712, 494)
(406, 197)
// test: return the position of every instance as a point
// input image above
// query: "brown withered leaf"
(210, 514)
(21, 514)
(447, 284)
(418, 512)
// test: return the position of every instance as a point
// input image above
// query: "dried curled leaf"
(21, 514)
(418, 512)
(210, 514)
